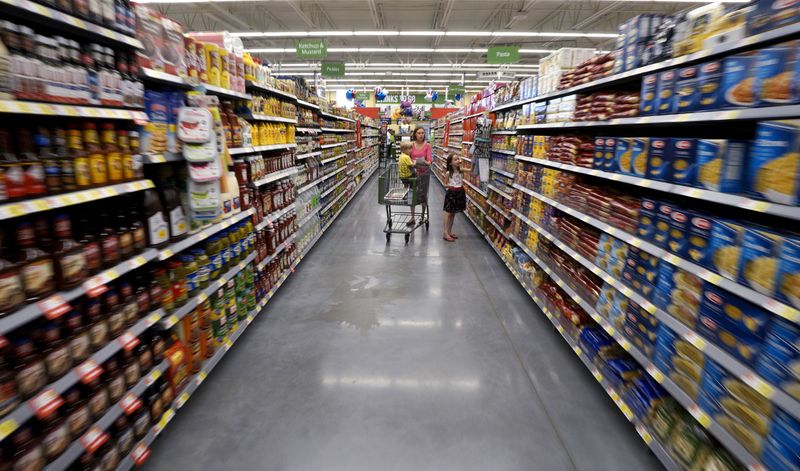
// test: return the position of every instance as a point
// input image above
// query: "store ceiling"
(454, 33)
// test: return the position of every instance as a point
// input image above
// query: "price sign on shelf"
(88, 371)
(45, 403)
(140, 453)
(54, 306)
(130, 403)
(93, 439)
(128, 341)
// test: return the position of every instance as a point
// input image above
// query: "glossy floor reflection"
(391, 357)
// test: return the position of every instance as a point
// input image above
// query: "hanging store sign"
(332, 69)
(311, 49)
(503, 55)
(363, 96)
(455, 90)
(415, 99)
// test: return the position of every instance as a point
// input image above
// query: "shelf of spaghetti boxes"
(674, 237)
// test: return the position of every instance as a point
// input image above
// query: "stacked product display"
(663, 251)
(145, 222)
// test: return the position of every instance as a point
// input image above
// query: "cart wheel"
(408, 236)
(388, 237)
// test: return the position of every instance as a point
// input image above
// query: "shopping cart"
(394, 192)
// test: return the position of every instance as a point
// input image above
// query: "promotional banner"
(415, 99)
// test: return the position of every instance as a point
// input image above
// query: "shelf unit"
(275, 176)
(265, 88)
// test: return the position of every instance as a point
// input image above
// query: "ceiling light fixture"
(504, 34)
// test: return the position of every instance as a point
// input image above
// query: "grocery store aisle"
(424, 357)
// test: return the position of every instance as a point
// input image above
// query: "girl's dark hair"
(449, 164)
(423, 132)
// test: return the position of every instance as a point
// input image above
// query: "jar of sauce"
(98, 325)
(30, 373)
(55, 350)
(115, 379)
(130, 369)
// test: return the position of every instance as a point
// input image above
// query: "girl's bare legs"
(450, 222)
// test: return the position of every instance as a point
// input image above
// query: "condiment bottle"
(35, 265)
(115, 378)
(178, 225)
(167, 295)
(12, 293)
(66, 168)
(137, 229)
(112, 311)
(30, 373)
(12, 185)
(131, 368)
(123, 434)
(92, 250)
(130, 310)
(52, 167)
(70, 261)
(177, 274)
(116, 171)
(55, 349)
(98, 324)
(32, 167)
(109, 241)
(157, 228)
(80, 160)
(8, 386)
(128, 165)
(98, 167)
(79, 342)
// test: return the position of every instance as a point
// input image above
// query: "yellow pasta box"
(720, 163)
(774, 163)
(758, 265)
(788, 288)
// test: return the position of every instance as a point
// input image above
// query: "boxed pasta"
(647, 105)
(782, 443)
(647, 219)
(665, 91)
(609, 152)
(639, 156)
(724, 248)
(709, 79)
(758, 263)
(737, 317)
(720, 163)
(780, 356)
(767, 15)
(599, 152)
(776, 73)
(663, 220)
(788, 279)
(683, 156)
(658, 162)
(687, 90)
(774, 162)
(622, 156)
(678, 292)
(738, 81)
(679, 359)
(678, 241)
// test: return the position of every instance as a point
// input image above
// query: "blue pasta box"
(709, 79)
(738, 81)
(609, 151)
(633, 55)
(720, 164)
(622, 155)
(766, 15)
(724, 249)
(647, 105)
(776, 75)
(663, 220)
(647, 219)
(700, 226)
(639, 156)
(721, 331)
(658, 162)
(665, 91)
(664, 286)
(780, 353)
(737, 314)
(788, 283)
(687, 90)
(599, 153)
(683, 155)
(758, 263)
(773, 171)
(678, 242)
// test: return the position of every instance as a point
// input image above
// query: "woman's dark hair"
(423, 132)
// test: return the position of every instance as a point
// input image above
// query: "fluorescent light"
(468, 33)
(331, 33)
(376, 33)
(415, 49)
(269, 49)
(505, 34)
(421, 33)
(536, 51)
(461, 49)
(338, 49)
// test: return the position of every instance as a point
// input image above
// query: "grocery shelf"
(264, 88)
(454, 146)
(284, 244)
(160, 77)
(497, 226)
(162, 158)
(200, 298)
(225, 93)
(309, 186)
(57, 305)
(26, 409)
(749, 294)
(47, 203)
(455, 134)
(478, 190)
(502, 151)
(308, 155)
(337, 130)
(688, 119)
(274, 176)
(502, 172)
(72, 111)
(329, 205)
(251, 150)
(308, 217)
(730, 47)
(499, 209)
(331, 159)
(330, 190)
(334, 116)
(66, 24)
(328, 146)
(477, 205)
(325, 177)
(505, 132)
(202, 235)
(307, 104)
(104, 423)
(499, 191)
(306, 130)
(729, 199)
(274, 119)
(273, 216)
(479, 113)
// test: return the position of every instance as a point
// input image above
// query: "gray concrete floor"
(391, 357)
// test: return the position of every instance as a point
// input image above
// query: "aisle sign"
(332, 69)
(503, 55)
(311, 49)
(362, 96)
(453, 90)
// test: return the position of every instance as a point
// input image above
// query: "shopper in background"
(455, 201)
(423, 158)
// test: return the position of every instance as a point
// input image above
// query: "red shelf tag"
(140, 453)
(88, 371)
(93, 439)
(94, 288)
(128, 341)
(130, 403)
(54, 306)
(45, 403)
